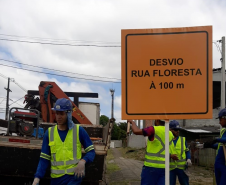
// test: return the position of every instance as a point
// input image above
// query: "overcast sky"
(87, 22)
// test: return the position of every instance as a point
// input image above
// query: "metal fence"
(203, 157)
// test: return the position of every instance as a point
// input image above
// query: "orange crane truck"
(20, 145)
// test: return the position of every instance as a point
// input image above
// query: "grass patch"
(111, 166)
(137, 154)
(109, 155)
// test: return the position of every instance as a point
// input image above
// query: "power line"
(60, 40)
(57, 40)
(3, 76)
(2, 100)
(60, 75)
(62, 44)
(53, 39)
(218, 47)
(16, 101)
(58, 70)
(13, 80)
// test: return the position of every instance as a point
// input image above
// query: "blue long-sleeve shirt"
(44, 162)
(220, 159)
(188, 154)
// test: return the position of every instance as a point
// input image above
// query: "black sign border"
(207, 76)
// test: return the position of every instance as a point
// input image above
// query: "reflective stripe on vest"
(58, 172)
(155, 154)
(159, 153)
(181, 163)
(182, 147)
(221, 144)
(155, 161)
(62, 165)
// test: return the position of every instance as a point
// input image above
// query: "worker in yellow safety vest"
(180, 147)
(62, 149)
(153, 172)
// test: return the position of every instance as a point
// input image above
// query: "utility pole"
(223, 74)
(144, 123)
(112, 102)
(7, 100)
(184, 122)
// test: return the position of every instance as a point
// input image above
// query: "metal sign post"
(167, 177)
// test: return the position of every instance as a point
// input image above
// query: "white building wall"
(202, 122)
(136, 141)
(116, 144)
(217, 76)
(91, 111)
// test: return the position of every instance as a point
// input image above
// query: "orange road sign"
(167, 73)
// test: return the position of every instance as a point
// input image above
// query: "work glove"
(189, 163)
(200, 146)
(36, 181)
(208, 144)
(80, 168)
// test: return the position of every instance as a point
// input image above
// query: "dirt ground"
(200, 176)
(197, 175)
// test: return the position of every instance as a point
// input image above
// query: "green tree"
(122, 134)
(115, 132)
(119, 131)
(104, 120)
(123, 125)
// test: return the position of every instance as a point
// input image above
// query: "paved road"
(130, 170)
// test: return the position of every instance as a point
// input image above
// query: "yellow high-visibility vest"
(64, 155)
(155, 154)
(221, 134)
(179, 149)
